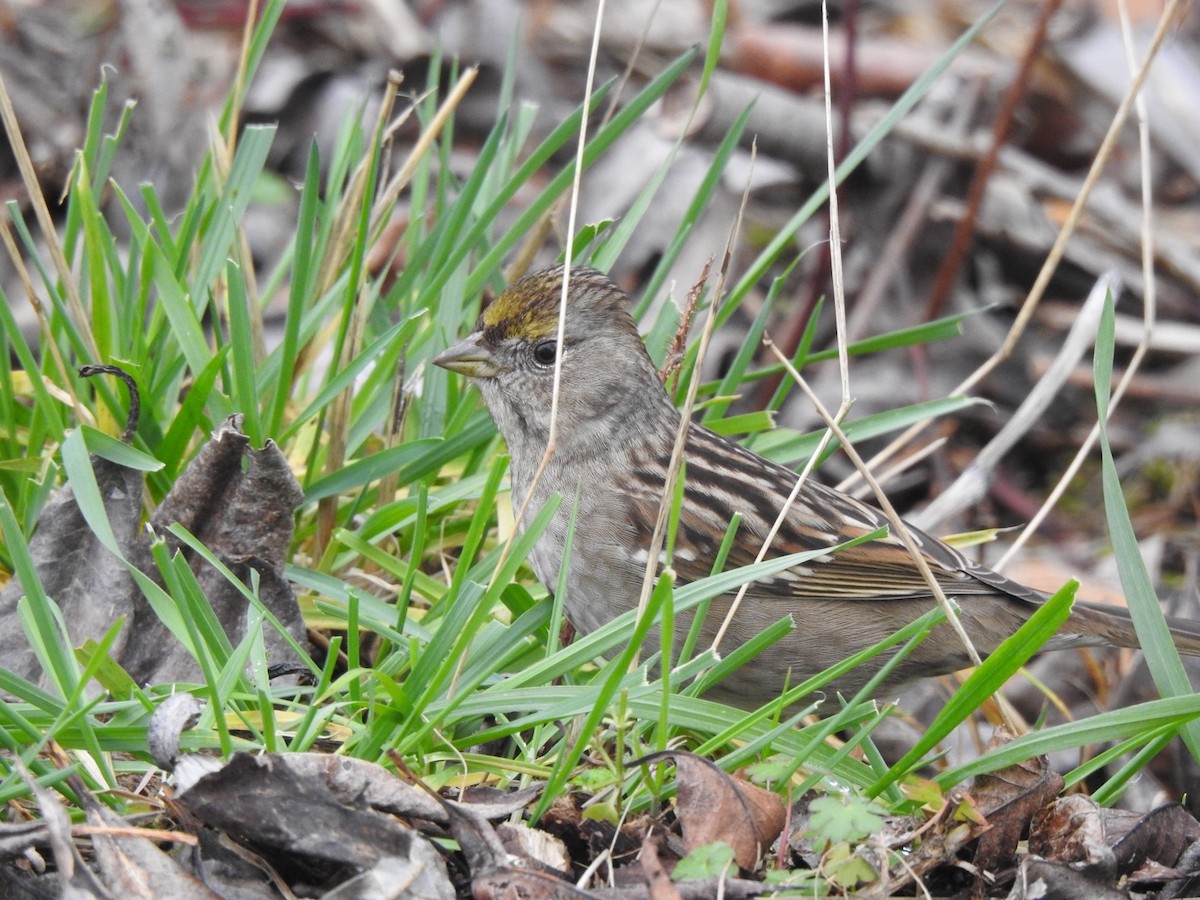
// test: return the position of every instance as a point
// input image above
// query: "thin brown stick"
(337, 422)
(1058, 250)
(37, 199)
(894, 521)
(562, 313)
(960, 243)
(149, 834)
(239, 79)
(1149, 311)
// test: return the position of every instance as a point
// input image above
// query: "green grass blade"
(1162, 658)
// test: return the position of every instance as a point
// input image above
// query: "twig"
(972, 483)
(894, 521)
(1054, 257)
(1149, 302)
(960, 243)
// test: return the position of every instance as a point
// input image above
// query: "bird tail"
(1113, 625)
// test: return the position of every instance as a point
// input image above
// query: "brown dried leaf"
(239, 503)
(542, 847)
(1071, 830)
(1009, 798)
(1107, 842)
(1161, 836)
(133, 866)
(658, 880)
(244, 516)
(91, 586)
(274, 805)
(715, 806)
(1038, 879)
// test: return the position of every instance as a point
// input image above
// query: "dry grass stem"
(589, 87)
(1149, 304)
(37, 199)
(894, 520)
(1068, 228)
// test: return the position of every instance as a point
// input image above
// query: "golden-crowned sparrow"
(616, 431)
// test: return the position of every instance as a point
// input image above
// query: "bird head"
(606, 373)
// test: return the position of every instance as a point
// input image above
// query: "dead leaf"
(90, 585)
(1161, 836)
(540, 846)
(713, 805)
(1009, 798)
(238, 501)
(658, 881)
(1071, 830)
(1041, 879)
(299, 823)
(1108, 842)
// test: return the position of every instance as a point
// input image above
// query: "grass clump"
(434, 642)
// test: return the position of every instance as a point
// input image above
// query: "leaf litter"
(235, 500)
(1071, 849)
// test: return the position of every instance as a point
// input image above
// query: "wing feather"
(819, 519)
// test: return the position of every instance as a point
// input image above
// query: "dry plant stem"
(533, 241)
(566, 284)
(580, 145)
(258, 342)
(1111, 218)
(835, 232)
(528, 249)
(673, 360)
(885, 505)
(839, 303)
(537, 476)
(973, 482)
(346, 222)
(903, 466)
(29, 178)
(389, 484)
(685, 418)
(1072, 220)
(391, 193)
(780, 518)
(14, 254)
(912, 220)
(239, 79)
(222, 159)
(593, 867)
(339, 410)
(245, 256)
(627, 72)
(1054, 257)
(910, 877)
(710, 322)
(246, 260)
(150, 834)
(960, 243)
(1149, 309)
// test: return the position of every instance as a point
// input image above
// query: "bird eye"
(544, 353)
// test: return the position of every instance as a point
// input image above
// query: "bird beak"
(469, 357)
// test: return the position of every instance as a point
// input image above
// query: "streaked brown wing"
(820, 518)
